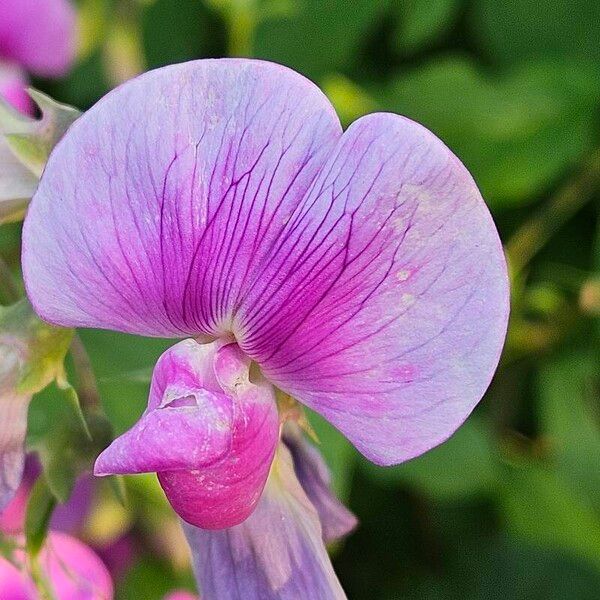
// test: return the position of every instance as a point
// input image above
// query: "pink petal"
(38, 35)
(177, 185)
(72, 570)
(14, 584)
(276, 554)
(209, 432)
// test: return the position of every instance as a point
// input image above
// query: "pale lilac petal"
(13, 428)
(362, 272)
(395, 306)
(166, 196)
(209, 432)
(314, 477)
(39, 35)
(276, 554)
(14, 584)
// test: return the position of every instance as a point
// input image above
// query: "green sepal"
(37, 518)
(32, 140)
(41, 347)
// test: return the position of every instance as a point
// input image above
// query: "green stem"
(41, 583)
(241, 21)
(87, 387)
(10, 292)
(564, 204)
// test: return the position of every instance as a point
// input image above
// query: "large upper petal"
(361, 271)
(39, 35)
(395, 304)
(155, 209)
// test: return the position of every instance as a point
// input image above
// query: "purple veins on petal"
(360, 270)
(209, 432)
(277, 553)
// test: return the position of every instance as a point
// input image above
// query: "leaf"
(350, 100)
(32, 140)
(37, 519)
(569, 389)
(422, 21)
(70, 393)
(532, 123)
(317, 37)
(542, 508)
(41, 347)
(171, 36)
(512, 30)
(463, 466)
(55, 433)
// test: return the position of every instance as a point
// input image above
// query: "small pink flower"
(69, 569)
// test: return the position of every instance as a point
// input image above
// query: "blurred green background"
(509, 508)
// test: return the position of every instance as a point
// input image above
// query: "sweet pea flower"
(69, 570)
(357, 272)
(68, 517)
(36, 36)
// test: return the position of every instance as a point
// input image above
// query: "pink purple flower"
(358, 272)
(69, 570)
(38, 35)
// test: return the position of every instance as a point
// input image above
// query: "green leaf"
(318, 37)
(465, 465)
(32, 140)
(37, 519)
(569, 387)
(171, 36)
(41, 347)
(541, 507)
(422, 21)
(514, 30)
(55, 432)
(532, 123)
(350, 100)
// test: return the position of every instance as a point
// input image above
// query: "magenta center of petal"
(209, 432)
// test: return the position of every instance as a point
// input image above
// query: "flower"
(358, 272)
(69, 570)
(68, 517)
(36, 36)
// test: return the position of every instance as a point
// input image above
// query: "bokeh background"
(509, 508)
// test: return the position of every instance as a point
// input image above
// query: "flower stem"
(9, 288)
(566, 202)
(241, 23)
(87, 387)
